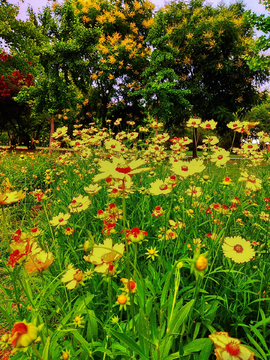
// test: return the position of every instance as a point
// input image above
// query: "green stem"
(5, 235)
(127, 256)
(36, 351)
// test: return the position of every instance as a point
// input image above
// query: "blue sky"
(38, 4)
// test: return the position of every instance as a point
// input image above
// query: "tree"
(258, 59)
(110, 70)
(161, 94)
(14, 117)
(209, 45)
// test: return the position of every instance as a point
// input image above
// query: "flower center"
(251, 178)
(233, 349)
(151, 251)
(220, 157)
(208, 125)
(163, 187)
(238, 248)
(132, 285)
(123, 170)
(122, 299)
(184, 168)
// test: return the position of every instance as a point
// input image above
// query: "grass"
(81, 298)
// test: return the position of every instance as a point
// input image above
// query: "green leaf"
(179, 317)
(83, 343)
(257, 346)
(197, 345)
(259, 336)
(129, 342)
(206, 350)
(45, 352)
(92, 328)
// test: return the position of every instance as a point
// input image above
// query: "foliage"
(208, 46)
(104, 213)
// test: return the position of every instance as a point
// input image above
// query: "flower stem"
(36, 351)
(5, 234)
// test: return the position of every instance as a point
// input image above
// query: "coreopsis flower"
(78, 321)
(211, 140)
(208, 124)
(151, 253)
(156, 125)
(72, 277)
(170, 234)
(249, 147)
(194, 191)
(160, 187)
(11, 197)
(92, 189)
(38, 261)
(201, 263)
(185, 169)
(228, 348)
(60, 220)
(135, 235)
(69, 231)
(104, 255)
(263, 216)
(132, 136)
(39, 195)
(220, 157)
(123, 300)
(251, 182)
(227, 181)
(238, 249)
(131, 284)
(23, 334)
(194, 122)
(79, 203)
(112, 145)
(158, 211)
(60, 132)
(234, 125)
(119, 169)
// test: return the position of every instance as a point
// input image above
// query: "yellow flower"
(119, 169)
(227, 181)
(209, 124)
(103, 256)
(123, 300)
(201, 263)
(194, 191)
(79, 203)
(23, 334)
(151, 253)
(60, 220)
(185, 169)
(210, 140)
(92, 189)
(131, 284)
(252, 183)
(38, 261)
(72, 277)
(194, 122)
(220, 157)
(60, 132)
(234, 125)
(159, 187)
(228, 348)
(238, 249)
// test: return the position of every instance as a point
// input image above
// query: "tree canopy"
(111, 59)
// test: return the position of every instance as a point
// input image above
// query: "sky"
(38, 4)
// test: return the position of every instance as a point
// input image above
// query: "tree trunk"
(51, 132)
(195, 134)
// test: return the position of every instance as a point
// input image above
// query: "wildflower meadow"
(123, 247)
